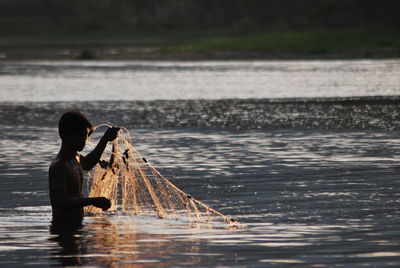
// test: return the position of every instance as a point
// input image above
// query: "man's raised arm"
(90, 160)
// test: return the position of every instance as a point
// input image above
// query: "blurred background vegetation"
(354, 28)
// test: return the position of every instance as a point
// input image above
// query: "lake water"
(315, 181)
(93, 81)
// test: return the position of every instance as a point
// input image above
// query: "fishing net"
(134, 186)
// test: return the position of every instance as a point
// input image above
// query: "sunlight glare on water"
(150, 80)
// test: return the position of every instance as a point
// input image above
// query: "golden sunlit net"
(133, 185)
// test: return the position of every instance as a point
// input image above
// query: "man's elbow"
(87, 164)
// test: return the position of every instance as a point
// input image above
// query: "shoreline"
(183, 45)
(117, 55)
(125, 52)
(285, 45)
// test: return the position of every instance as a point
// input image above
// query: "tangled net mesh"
(134, 186)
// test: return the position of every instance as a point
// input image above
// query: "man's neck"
(66, 152)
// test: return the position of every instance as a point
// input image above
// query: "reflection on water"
(308, 198)
(121, 241)
(115, 241)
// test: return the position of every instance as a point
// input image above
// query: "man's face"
(78, 141)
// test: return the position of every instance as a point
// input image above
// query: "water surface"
(315, 181)
(151, 80)
(307, 198)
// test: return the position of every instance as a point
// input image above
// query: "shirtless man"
(66, 169)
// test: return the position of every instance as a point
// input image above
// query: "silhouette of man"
(66, 169)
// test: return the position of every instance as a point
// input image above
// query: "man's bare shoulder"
(58, 166)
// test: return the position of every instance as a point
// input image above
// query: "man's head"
(74, 128)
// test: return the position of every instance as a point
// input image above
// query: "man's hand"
(111, 133)
(91, 159)
(101, 202)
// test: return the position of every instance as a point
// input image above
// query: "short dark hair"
(73, 122)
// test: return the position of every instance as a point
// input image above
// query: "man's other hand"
(101, 202)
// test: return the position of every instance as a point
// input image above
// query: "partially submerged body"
(65, 182)
(66, 171)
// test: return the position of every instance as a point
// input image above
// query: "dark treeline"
(233, 16)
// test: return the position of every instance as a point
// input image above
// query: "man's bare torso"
(73, 183)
